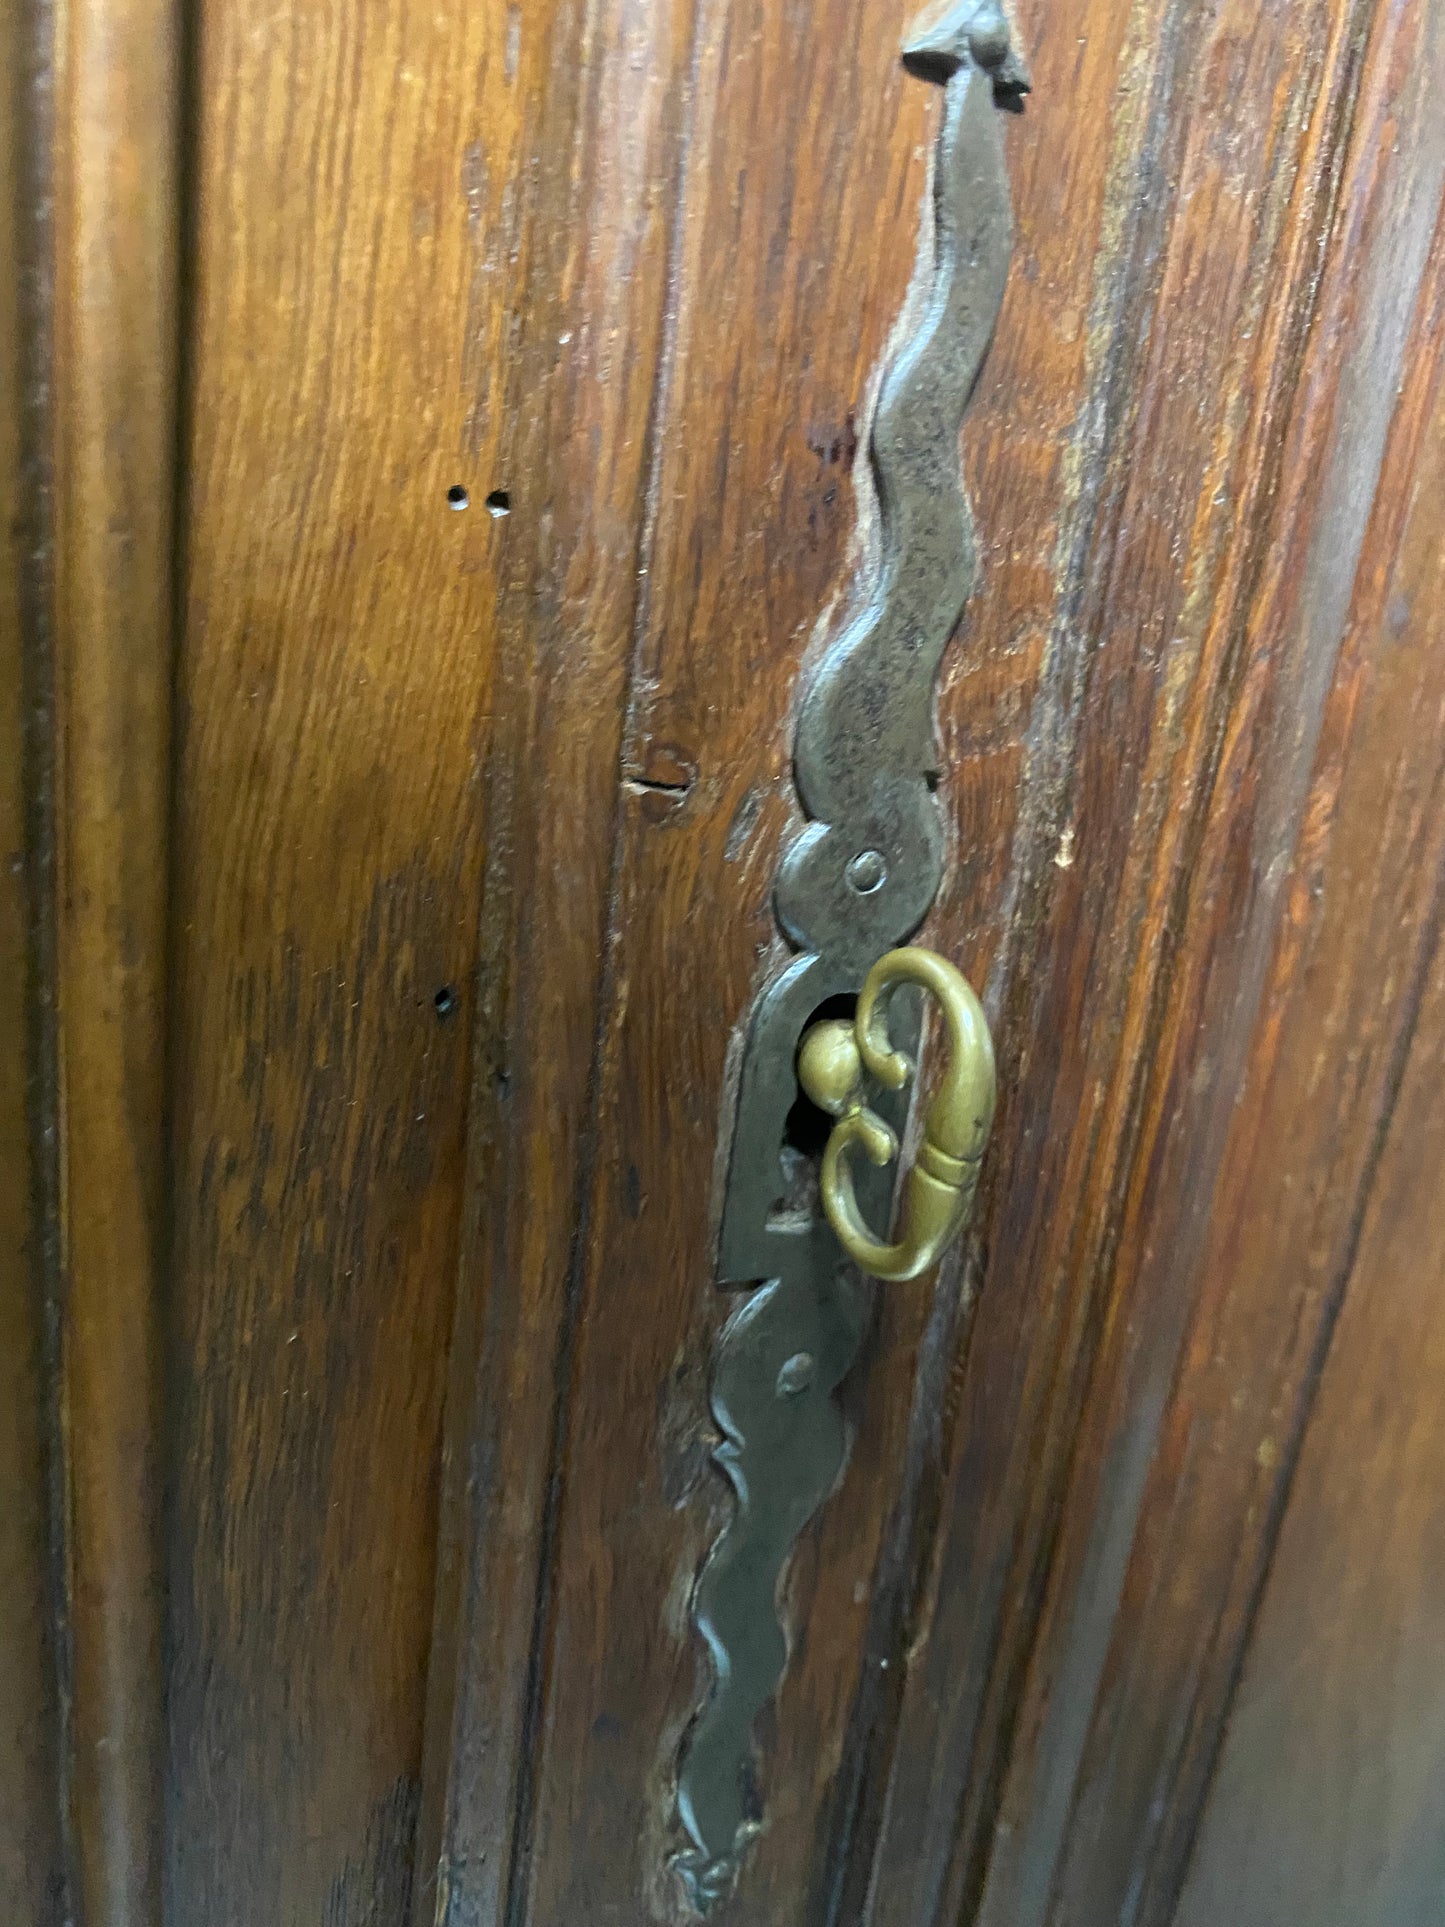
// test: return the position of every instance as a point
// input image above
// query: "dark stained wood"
(1244, 1162)
(429, 929)
(1228, 188)
(591, 288)
(357, 204)
(1046, 440)
(1325, 1803)
(1083, 774)
(105, 576)
(30, 1849)
(785, 278)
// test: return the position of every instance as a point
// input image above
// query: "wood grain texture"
(1127, 447)
(475, 822)
(357, 201)
(592, 294)
(110, 395)
(1168, 1515)
(31, 1873)
(1221, 185)
(786, 276)
(1325, 1803)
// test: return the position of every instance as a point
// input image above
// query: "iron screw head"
(795, 1374)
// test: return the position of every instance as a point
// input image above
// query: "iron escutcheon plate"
(857, 880)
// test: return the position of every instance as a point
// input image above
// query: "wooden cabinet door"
(437, 447)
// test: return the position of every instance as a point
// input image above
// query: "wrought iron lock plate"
(854, 883)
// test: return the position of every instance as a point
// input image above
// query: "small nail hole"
(499, 502)
(457, 496)
(445, 1001)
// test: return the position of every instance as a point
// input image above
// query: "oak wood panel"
(591, 294)
(445, 249)
(356, 221)
(1051, 410)
(681, 719)
(1325, 1805)
(30, 1852)
(111, 400)
(1245, 1158)
(791, 258)
(1223, 199)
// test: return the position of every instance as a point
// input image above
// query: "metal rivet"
(867, 872)
(795, 1374)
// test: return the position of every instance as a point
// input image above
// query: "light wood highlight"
(1324, 1802)
(360, 205)
(111, 447)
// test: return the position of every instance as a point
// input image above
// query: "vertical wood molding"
(1310, 1767)
(1111, 1727)
(358, 222)
(31, 1877)
(102, 198)
(1153, 639)
(749, 433)
(602, 148)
